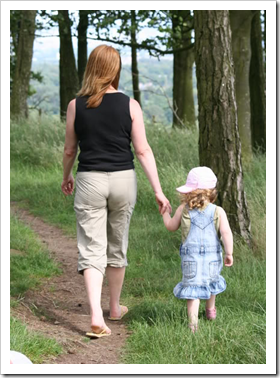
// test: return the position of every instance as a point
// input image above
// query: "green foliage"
(34, 345)
(33, 261)
(157, 319)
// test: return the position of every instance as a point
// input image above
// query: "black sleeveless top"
(104, 134)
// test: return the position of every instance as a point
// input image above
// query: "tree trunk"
(240, 22)
(264, 41)
(69, 82)
(219, 143)
(134, 66)
(82, 44)
(183, 102)
(24, 55)
(257, 86)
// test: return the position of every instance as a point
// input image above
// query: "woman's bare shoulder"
(72, 104)
(71, 109)
(135, 109)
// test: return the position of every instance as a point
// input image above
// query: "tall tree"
(69, 82)
(264, 35)
(257, 85)
(131, 21)
(240, 21)
(219, 142)
(183, 101)
(82, 43)
(134, 65)
(22, 69)
(127, 29)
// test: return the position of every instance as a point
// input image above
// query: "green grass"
(32, 264)
(34, 345)
(157, 319)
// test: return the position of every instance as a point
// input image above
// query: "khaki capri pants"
(104, 202)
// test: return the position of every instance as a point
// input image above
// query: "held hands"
(67, 185)
(163, 203)
(228, 260)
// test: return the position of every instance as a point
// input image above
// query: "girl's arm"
(145, 154)
(172, 224)
(227, 238)
(70, 149)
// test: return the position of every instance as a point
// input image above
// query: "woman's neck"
(111, 89)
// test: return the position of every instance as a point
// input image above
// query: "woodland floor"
(58, 308)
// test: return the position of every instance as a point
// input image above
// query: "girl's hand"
(67, 185)
(163, 203)
(228, 260)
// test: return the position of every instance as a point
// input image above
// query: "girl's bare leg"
(210, 303)
(210, 308)
(193, 307)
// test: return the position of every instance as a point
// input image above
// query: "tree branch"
(141, 46)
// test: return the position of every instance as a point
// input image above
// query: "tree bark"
(69, 82)
(134, 65)
(82, 44)
(24, 55)
(264, 39)
(183, 101)
(240, 22)
(257, 86)
(219, 142)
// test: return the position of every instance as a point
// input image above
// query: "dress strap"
(185, 224)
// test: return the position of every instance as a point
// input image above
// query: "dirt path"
(61, 307)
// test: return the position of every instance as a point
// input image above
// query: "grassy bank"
(157, 319)
(34, 345)
(29, 264)
(30, 260)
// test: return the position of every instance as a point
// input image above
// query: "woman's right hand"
(67, 185)
(163, 203)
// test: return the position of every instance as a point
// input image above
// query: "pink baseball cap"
(199, 178)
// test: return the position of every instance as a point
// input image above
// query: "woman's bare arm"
(70, 149)
(145, 154)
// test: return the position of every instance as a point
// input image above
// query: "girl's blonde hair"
(198, 198)
(103, 69)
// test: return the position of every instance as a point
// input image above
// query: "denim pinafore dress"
(201, 256)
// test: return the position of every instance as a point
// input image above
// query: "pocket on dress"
(214, 269)
(189, 269)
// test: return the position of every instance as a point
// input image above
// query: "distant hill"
(155, 85)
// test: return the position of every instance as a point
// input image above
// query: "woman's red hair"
(103, 70)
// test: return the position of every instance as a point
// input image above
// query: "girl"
(201, 251)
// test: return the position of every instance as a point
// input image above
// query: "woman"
(104, 122)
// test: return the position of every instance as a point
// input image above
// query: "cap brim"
(185, 189)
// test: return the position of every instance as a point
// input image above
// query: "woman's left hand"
(67, 185)
(163, 203)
